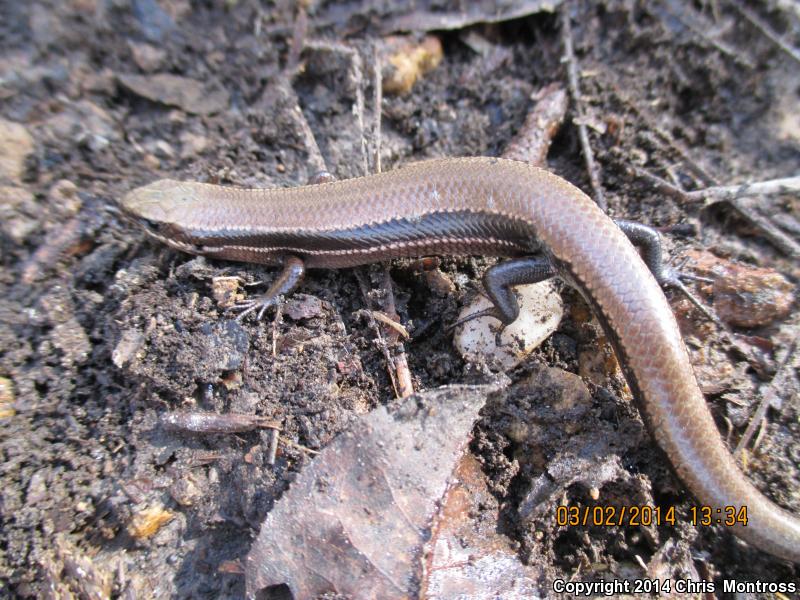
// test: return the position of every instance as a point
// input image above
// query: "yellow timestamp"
(729, 516)
(645, 515)
(607, 516)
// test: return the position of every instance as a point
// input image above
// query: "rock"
(148, 58)
(189, 95)
(226, 345)
(71, 339)
(192, 144)
(129, 344)
(17, 207)
(84, 122)
(744, 296)
(15, 145)
(64, 199)
(6, 398)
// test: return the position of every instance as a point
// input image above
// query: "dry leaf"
(355, 522)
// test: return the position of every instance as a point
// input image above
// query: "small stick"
(733, 194)
(272, 451)
(289, 442)
(767, 397)
(778, 239)
(574, 89)
(767, 31)
(401, 361)
(377, 69)
(660, 184)
(784, 185)
(390, 322)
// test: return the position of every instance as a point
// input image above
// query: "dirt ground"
(103, 331)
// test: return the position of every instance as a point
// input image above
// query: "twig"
(358, 80)
(768, 396)
(730, 192)
(660, 184)
(533, 139)
(776, 237)
(381, 342)
(215, 423)
(377, 69)
(401, 361)
(734, 195)
(767, 31)
(574, 89)
(391, 323)
(289, 442)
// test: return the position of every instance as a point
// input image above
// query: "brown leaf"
(356, 520)
(469, 557)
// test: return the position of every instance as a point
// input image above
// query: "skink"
(484, 206)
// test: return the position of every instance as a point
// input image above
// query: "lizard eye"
(152, 226)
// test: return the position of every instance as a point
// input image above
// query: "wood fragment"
(391, 323)
(574, 89)
(272, 451)
(213, 423)
(533, 139)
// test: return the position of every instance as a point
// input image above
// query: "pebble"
(541, 310)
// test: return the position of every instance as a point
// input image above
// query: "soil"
(102, 331)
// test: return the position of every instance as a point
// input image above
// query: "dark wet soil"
(102, 331)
